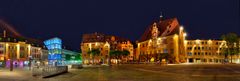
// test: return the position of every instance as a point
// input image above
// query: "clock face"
(154, 34)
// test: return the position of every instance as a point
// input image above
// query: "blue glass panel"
(54, 47)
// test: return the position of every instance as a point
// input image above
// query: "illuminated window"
(1, 45)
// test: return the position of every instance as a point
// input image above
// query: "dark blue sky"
(69, 19)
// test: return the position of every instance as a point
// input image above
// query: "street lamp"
(30, 63)
(4, 61)
(185, 34)
(181, 28)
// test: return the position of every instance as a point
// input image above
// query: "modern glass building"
(54, 47)
(71, 57)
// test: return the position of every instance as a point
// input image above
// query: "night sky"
(69, 19)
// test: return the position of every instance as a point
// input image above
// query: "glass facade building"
(54, 47)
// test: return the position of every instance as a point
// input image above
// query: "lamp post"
(11, 62)
(30, 62)
(4, 61)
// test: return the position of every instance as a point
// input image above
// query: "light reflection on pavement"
(150, 72)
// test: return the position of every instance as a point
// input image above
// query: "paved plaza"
(136, 72)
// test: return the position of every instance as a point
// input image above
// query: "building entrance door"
(190, 60)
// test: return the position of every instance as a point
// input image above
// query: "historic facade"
(16, 48)
(19, 52)
(163, 40)
(105, 43)
(209, 51)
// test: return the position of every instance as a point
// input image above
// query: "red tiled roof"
(13, 33)
(99, 37)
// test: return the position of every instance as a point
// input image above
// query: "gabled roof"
(165, 27)
(12, 33)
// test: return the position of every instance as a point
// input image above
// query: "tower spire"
(161, 17)
(4, 33)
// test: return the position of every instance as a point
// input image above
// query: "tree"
(125, 53)
(118, 54)
(114, 54)
(230, 39)
(93, 53)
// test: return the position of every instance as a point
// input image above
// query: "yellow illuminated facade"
(19, 52)
(163, 37)
(104, 52)
(104, 43)
(205, 51)
(169, 38)
(126, 46)
(16, 51)
(236, 57)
